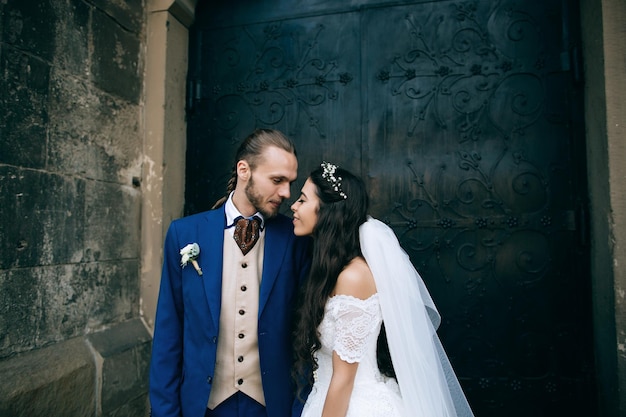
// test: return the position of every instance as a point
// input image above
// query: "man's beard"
(257, 201)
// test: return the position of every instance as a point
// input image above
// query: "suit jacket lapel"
(211, 241)
(275, 243)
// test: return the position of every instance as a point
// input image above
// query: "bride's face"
(305, 210)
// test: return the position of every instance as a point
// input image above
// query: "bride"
(365, 336)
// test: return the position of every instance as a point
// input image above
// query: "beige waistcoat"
(237, 365)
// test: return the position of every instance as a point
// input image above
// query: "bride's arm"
(357, 281)
(340, 389)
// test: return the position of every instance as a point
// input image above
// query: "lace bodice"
(350, 327)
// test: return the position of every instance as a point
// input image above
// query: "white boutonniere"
(190, 253)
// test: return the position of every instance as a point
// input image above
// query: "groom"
(222, 335)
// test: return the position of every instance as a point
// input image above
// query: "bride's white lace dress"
(350, 327)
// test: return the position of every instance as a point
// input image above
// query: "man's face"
(270, 182)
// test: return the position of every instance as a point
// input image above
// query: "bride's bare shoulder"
(356, 280)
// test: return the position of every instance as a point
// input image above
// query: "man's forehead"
(277, 162)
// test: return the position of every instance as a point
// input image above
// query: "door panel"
(464, 120)
(291, 75)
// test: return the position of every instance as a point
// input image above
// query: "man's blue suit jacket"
(188, 313)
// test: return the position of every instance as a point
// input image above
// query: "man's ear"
(243, 170)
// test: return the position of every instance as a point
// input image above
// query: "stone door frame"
(163, 177)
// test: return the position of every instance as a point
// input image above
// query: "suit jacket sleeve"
(166, 361)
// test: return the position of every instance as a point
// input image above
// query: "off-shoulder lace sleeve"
(356, 322)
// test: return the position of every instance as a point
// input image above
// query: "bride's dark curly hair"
(335, 244)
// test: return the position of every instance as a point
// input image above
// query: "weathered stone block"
(72, 37)
(116, 63)
(20, 310)
(137, 407)
(112, 221)
(30, 26)
(125, 353)
(113, 288)
(43, 218)
(128, 13)
(56, 381)
(23, 114)
(92, 134)
(39, 306)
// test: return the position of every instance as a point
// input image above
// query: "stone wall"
(71, 151)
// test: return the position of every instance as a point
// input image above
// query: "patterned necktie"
(246, 233)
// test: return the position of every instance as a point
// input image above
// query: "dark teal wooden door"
(464, 119)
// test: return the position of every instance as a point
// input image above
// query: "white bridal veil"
(427, 382)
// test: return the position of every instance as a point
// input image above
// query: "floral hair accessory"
(190, 253)
(328, 173)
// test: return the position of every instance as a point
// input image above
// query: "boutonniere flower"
(190, 254)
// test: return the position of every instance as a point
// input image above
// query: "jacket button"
(243, 288)
(241, 335)
(209, 380)
(240, 381)
(242, 312)
(240, 359)
(244, 265)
